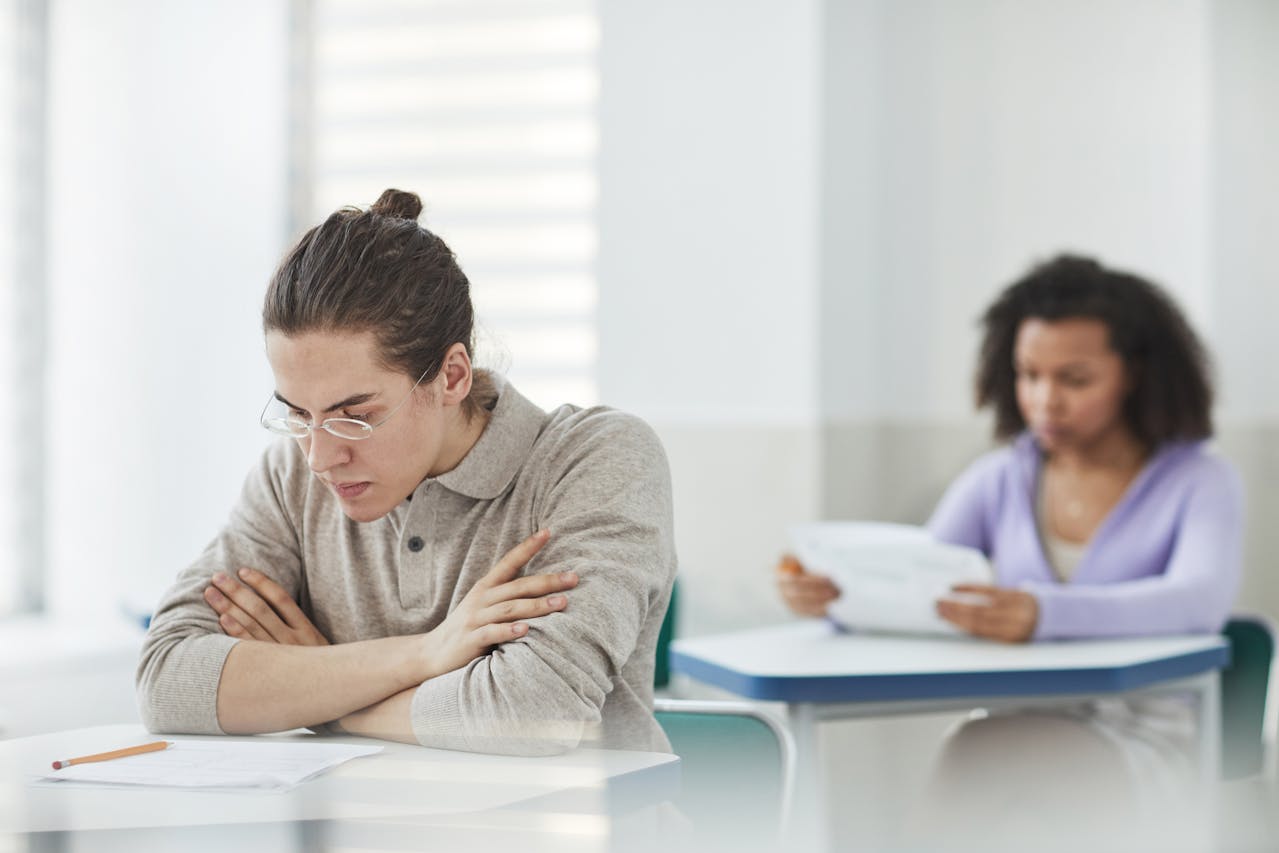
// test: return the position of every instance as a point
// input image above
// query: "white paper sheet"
(231, 764)
(890, 576)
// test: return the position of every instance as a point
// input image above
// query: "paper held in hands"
(890, 576)
(261, 765)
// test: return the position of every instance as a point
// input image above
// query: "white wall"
(964, 141)
(167, 212)
(1245, 206)
(708, 312)
(805, 208)
(709, 135)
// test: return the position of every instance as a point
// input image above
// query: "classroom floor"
(880, 768)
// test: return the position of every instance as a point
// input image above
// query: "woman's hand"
(260, 609)
(806, 594)
(1009, 615)
(490, 613)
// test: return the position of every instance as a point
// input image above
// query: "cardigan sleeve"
(185, 648)
(1193, 594)
(963, 516)
(607, 502)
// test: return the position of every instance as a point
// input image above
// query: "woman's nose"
(1045, 396)
(1052, 397)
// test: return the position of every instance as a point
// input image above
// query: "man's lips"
(350, 490)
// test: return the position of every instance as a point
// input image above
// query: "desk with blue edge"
(823, 673)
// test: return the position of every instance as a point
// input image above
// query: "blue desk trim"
(950, 685)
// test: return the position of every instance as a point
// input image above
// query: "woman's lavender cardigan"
(1165, 561)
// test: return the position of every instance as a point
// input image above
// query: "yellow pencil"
(115, 753)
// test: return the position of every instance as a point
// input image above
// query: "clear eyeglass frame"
(347, 428)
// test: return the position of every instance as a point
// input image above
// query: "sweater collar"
(1030, 463)
(1030, 457)
(491, 465)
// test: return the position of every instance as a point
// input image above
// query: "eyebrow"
(1069, 367)
(353, 400)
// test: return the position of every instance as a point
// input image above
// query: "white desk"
(407, 797)
(822, 673)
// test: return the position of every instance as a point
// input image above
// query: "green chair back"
(733, 771)
(1244, 686)
(662, 668)
(734, 760)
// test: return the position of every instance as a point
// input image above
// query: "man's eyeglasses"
(348, 428)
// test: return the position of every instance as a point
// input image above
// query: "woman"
(1107, 515)
(370, 575)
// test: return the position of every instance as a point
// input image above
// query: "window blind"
(487, 109)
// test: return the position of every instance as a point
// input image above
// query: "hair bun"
(399, 204)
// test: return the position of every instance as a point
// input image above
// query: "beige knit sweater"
(597, 478)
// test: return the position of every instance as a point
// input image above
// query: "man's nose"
(325, 450)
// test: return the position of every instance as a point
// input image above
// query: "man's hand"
(260, 609)
(368, 685)
(1009, 615)
(805, 593)
(490, 613)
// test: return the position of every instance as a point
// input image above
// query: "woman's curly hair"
(1171, 371)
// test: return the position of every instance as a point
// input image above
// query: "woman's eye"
(297, 414)
(355, 417)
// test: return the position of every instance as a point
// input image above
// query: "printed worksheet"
(227, 764)
(890, 576)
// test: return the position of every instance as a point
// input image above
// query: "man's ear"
(458, 374)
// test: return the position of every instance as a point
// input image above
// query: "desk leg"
(806, 813)
(1208, 692)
